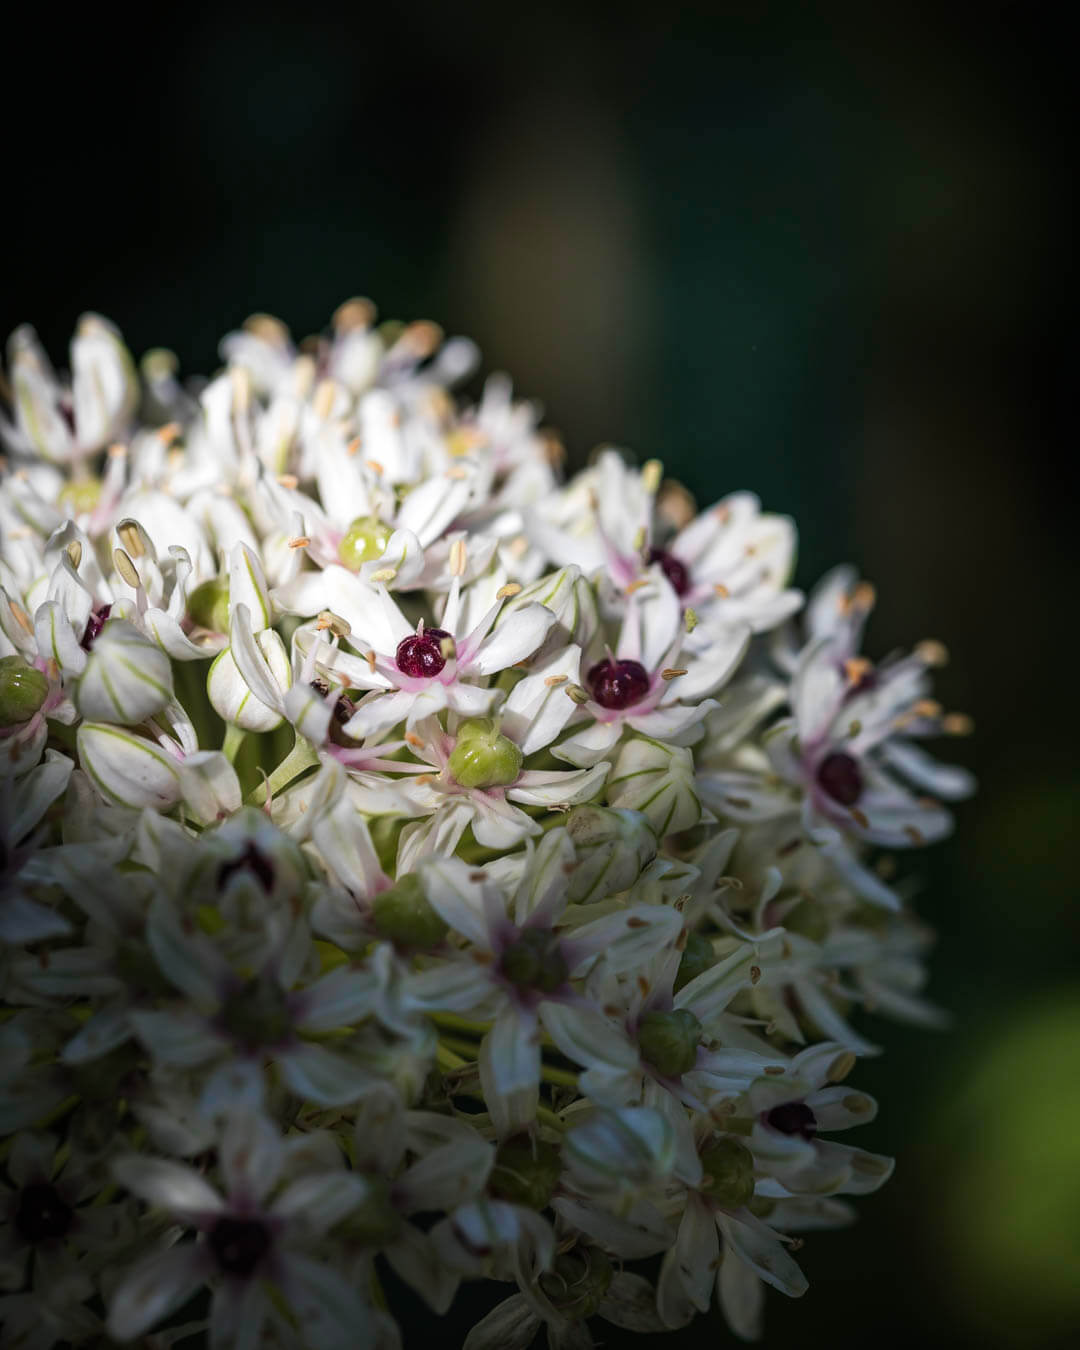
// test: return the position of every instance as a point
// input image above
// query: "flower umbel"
(409, 858)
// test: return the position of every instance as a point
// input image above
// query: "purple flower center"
(840, 777)
(420, 655)
(793, 1118)
(94, 624)
(251, 860)
(42, 1213)
(239, 1244)
(673, 568)
(618, 684)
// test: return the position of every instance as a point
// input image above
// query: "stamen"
(126, 568)
(130, 534)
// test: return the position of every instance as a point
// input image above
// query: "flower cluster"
(420, 868)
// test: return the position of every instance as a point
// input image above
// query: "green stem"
(300, 758)
(234, 739)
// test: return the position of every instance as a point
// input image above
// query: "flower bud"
(698, 957)
(578, 1282)
(630, 1145)
(230, 695)
(126, 769)
(612, 849)
(669, 1041)
(526, 1173)
(658, 780)
(208, 605)
(23, 689)
(104, 386)
(127, 677)
(728, 1168)
(406, 917)
(364, 541)
(482, 758)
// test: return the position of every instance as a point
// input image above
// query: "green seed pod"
(23, 689)
(482, 758)
(669, 1040)
(698, 957)
(208, 604)
(577, 1283)
(535, 961)
(728, 1173)
(405, 916)
(364, 540)
(526, 1173)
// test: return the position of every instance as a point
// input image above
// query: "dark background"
(820, 257)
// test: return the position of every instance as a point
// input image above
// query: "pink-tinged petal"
(156, 1288)
(171, 1186)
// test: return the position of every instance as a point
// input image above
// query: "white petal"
(168, 1185)
(155, 1288)
(512, 641)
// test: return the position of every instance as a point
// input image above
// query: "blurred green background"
(822, 257)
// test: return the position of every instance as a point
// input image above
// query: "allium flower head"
(412, 857)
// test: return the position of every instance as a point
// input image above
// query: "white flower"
(246, 1234)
